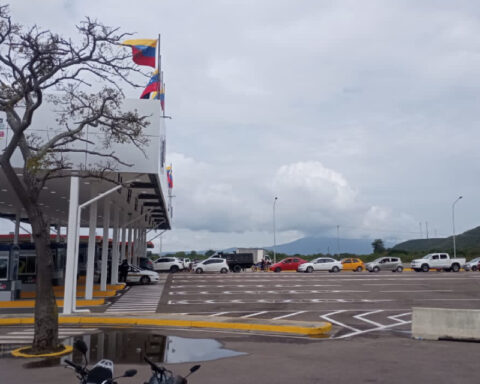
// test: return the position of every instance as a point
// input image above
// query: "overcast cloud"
(362, 114)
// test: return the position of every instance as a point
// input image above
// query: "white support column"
(106, 226)
(70, 276)
(130, 239)
(144, 242)
(135, 245)
(123, 254)
(115, 253)
(91, 249)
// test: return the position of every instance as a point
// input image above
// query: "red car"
(288, 264)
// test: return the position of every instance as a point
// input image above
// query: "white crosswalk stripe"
(25, 336)
(139, 298)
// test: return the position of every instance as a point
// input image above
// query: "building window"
(27, 264)
(4, 268)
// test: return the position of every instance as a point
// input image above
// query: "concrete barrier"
(443, 323)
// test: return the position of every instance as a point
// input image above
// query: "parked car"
(170, 264)
(321, 264)
(472, 265)
(438, 261)
(212, 265)
(187, 263)
(145, 263)
(142, 276)
(288, 264)
(353, 264)
(393, 264)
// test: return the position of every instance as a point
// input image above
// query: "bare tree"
(36, 65)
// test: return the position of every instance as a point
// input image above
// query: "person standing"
(123, 271)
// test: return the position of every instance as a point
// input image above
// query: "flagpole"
(170, 206)
(160, 72)
(159, 58)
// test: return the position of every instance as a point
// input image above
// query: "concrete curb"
(446, 323)
(168, 320)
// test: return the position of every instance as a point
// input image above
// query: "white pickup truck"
(437, 261)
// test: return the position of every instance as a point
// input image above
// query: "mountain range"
(465, 241)
(327, 245)
(469, 240)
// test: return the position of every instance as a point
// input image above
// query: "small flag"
(162, 96)
(169, 177)
(152, 86)
(143, 51)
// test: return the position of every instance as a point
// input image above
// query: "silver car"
(472, 265)
(386, 263)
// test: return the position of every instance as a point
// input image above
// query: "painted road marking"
(322, 280)
(270, 292)
(139, 298)
(396, 317)
(218, 314)
(381, 328)
(255, 286)
(276, 301)
(288, 315)
(328, 318)
(362, 317)
(420, 290)
(253, 314)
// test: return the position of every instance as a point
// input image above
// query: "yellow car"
(353, 264)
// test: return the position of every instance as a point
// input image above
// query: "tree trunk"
(46, 311)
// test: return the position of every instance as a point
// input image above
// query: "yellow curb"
(17, 321)
(58, 294)
(82, 320)
(96, 287)
(198, 324)
(18, 352)
(31, 303)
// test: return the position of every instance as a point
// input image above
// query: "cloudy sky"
(362, 114)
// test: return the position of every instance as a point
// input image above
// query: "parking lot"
(370, 340)
(355, 303)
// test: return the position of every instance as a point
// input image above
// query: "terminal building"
(125, 209)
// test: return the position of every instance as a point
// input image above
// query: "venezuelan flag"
(169, 177)
(159, 95)
(152, 86)
(143, 51)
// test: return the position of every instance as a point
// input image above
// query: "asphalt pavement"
(369, 343)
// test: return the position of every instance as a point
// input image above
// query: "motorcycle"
(101, 373)
(162, 375)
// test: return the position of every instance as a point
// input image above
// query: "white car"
(212, 265)
(186, 263)
(472, 265)
(171, 264)
(321, 264)
(142, 276)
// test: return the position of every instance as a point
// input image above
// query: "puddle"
(124, 346)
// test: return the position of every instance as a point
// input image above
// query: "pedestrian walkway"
(139, 298)
(25, 336)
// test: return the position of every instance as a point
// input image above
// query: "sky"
(357, 114)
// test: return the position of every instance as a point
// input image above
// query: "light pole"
(453, 224)
(274, 232)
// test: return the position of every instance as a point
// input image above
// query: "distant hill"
(467, 240)
(313, 245)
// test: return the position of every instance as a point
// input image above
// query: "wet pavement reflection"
(126, 346)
